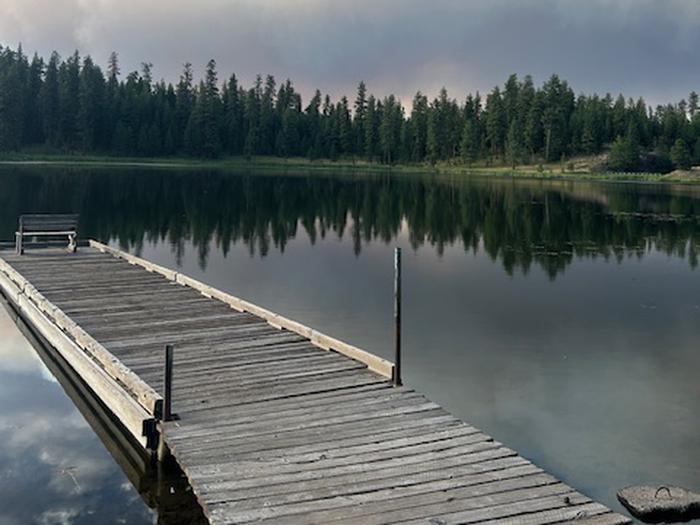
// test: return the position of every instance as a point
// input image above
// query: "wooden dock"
(276, 422)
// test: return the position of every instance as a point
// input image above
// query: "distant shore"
(547, 171)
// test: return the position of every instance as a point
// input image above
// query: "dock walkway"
(272, 426)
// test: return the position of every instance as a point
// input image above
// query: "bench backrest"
(48, 223)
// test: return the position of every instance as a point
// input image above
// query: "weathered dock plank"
(273, 427)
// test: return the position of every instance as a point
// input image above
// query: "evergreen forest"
(72, 105)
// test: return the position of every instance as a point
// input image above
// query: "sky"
(648, 48)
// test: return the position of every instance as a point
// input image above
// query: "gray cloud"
(640, 47)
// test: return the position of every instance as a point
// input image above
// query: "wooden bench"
(47, 225)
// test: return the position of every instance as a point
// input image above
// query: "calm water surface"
(53, 468)
(562, 318)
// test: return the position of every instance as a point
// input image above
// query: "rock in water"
(655, 504)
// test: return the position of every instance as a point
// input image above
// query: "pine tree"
(433, 134)
(619, 117)
(558, 106)
(313, 143)
(210, 113)
(91, 104)
(251, 115)
(194, 131)
(511, 98)
(693, 104)
(112, 98)
(345, 135)
(113, 69)
(624, 155)
(69, 102)
(33, 130)
(454, 129)
(526, 99)
(419, 124)
(49, 102)
(372, 129)
(290, 132)
(680, 155)
(470, 141)
(184, 104)
(11, 102)
(268, 123)
(360, 119)
(22, 70)
(233, 117)
(496, 122)
(469, 144)
(514, 147)
(534, 132)
(407, 141)
(390, 129)
(440, 135)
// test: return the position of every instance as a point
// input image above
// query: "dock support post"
(397, 316)
(168, 384)
(19, 240)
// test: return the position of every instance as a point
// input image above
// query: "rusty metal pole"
(168, 384)
(397, 316)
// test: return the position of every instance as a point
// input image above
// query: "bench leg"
(72, 245)
(18, 244)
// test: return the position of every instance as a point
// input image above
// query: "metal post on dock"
(168, 384)
(397, 316)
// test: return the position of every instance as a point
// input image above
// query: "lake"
(561, 317)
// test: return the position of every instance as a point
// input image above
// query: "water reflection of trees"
(519, 223)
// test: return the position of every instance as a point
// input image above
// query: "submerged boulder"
(655, 504)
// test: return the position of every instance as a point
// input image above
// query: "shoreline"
(276, 163)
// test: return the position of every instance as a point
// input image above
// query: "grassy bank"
(575, 170)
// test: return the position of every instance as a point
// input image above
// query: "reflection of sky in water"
(53, 468)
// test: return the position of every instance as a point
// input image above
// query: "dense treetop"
(72, 105)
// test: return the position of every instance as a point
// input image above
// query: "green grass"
(550, 171)
(188, 162)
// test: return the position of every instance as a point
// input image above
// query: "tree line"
(72, 105)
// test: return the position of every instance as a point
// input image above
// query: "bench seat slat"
(30, 221)
(45, 227)
(47, 219)
(67, 224)
(50, 216)
(29, 233)
(62, 228)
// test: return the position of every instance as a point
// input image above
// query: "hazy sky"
(647, 48)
